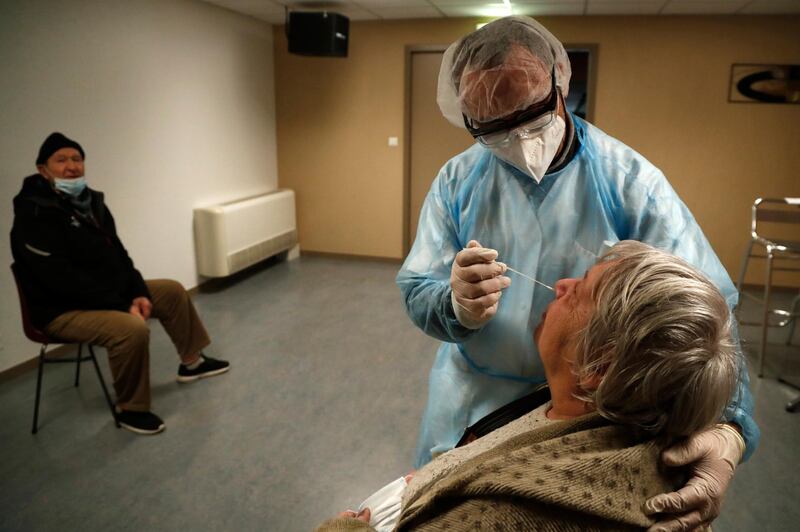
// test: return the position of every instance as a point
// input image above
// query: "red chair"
(39, 337)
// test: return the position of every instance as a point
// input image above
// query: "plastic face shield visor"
(534, 118)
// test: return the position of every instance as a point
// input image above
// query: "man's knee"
(172, 286)
(132, 333)
(168, 290)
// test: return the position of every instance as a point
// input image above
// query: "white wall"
(172, 100)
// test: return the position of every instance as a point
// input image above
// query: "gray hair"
(660, 341)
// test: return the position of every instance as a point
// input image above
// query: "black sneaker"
(207, 368)
(140, 422)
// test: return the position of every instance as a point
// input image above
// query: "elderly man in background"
(82, 286)
(638, 354)
(545, 192)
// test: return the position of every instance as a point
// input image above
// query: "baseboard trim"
(349, 256)
(24, 367)
(217, 283)
(775, 288)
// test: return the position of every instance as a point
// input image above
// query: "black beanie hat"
(53, 143)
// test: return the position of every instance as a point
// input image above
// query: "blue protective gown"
(551, 230)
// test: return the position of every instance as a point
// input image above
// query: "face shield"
(502, 75)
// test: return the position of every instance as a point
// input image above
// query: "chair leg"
(103, 385)
(793, 405)
(795, 310)
(78, 365)
(38, 390)
(765, 322)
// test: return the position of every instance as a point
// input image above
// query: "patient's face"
(65, 163)
(564, 317)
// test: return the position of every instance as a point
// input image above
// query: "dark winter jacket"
(66, 261)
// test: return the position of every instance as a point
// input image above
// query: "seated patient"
(81, 285)
(637, 354)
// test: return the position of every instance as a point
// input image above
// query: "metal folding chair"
(37, 336)
(775, 226)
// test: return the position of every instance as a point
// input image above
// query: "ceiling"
(273, 11)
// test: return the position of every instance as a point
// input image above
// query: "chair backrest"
(776, 218)
(33, 334)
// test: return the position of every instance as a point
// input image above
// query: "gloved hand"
(477, 282)
(714, 454)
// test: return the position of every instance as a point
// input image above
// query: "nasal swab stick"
(529, 278)
(521, 275)
(518, 273)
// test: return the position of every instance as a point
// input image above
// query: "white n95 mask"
(532, 152)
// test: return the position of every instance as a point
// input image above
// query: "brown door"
(433, 140)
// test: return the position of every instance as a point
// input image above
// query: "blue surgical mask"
(71, 187)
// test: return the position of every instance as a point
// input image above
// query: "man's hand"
(713, 455)
(477, 282)
(141, 307)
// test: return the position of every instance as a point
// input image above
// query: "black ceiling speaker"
(318, 33)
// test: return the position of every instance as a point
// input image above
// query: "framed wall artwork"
(762, 83)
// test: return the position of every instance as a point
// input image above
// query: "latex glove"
(713, 455)
(142, 307)
(477, 282)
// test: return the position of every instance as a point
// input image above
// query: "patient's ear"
(42, 169)
(591, 382)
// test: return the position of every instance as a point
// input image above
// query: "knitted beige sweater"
(581, 474)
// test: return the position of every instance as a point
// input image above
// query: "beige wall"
(662, 87)
(172, 101)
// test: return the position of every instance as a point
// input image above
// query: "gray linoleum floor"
(321, 408)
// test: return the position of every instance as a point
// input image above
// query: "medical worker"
(543, 192)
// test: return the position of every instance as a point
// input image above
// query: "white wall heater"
(237, 234)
